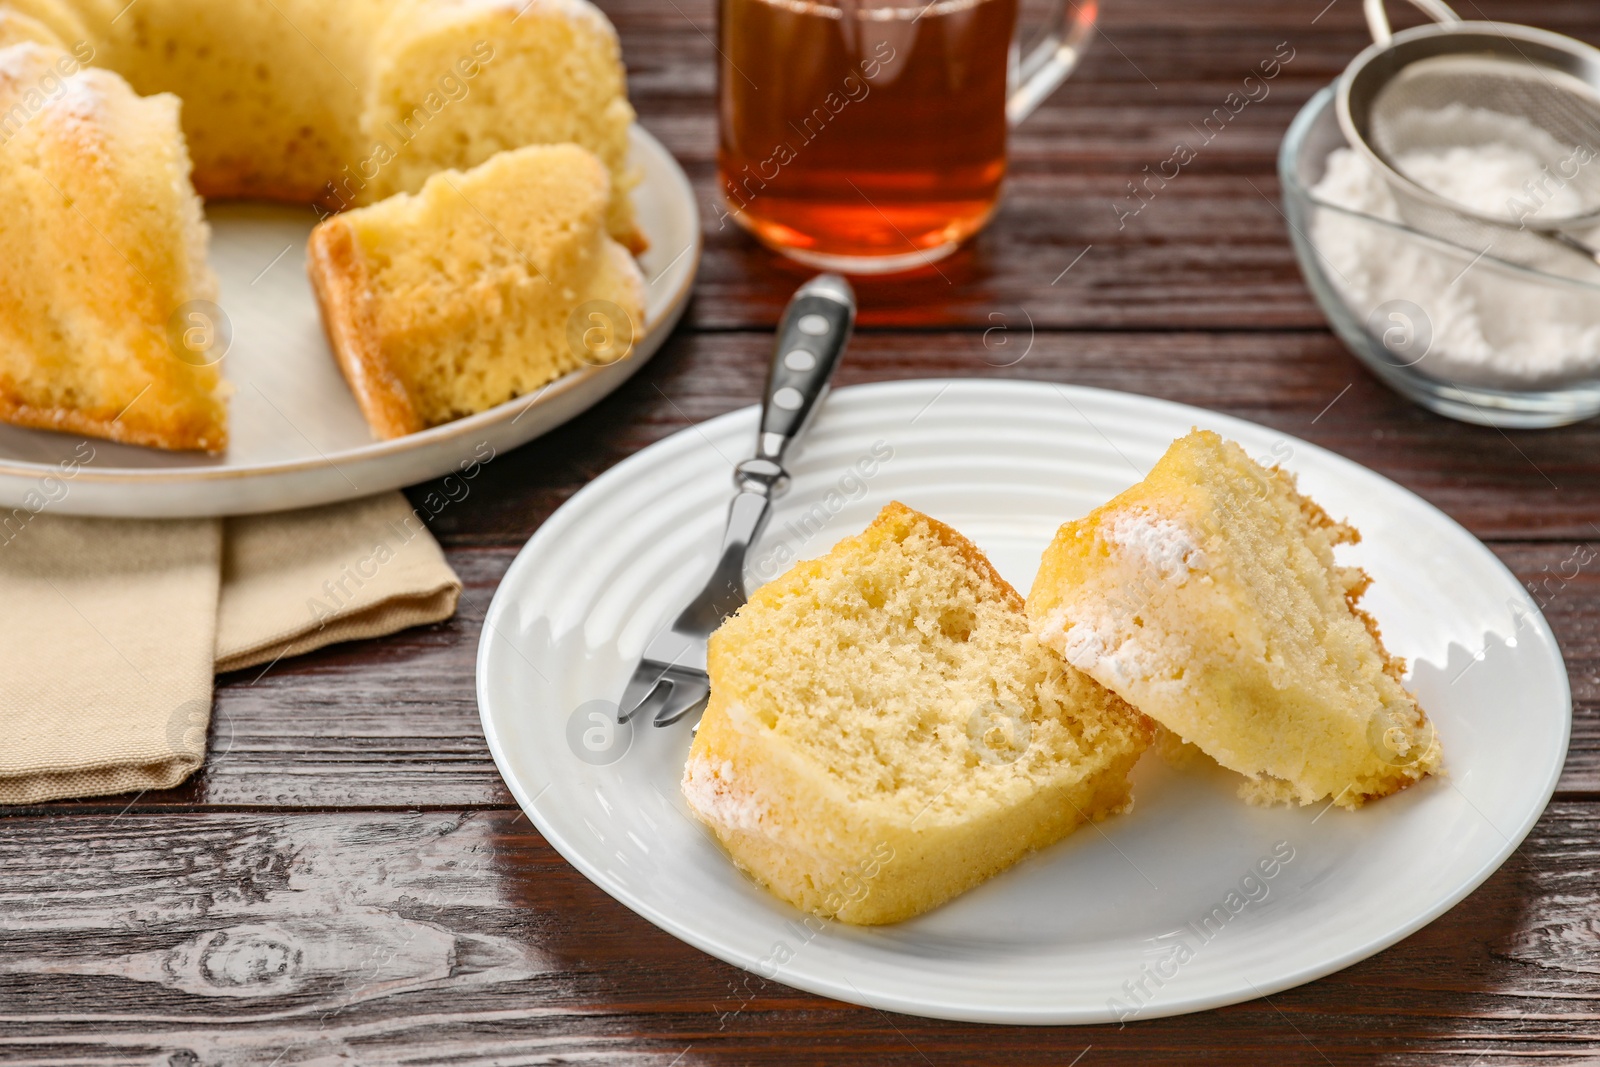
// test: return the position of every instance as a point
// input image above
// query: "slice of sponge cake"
(1208, 597)
(484, 286)
(884, 733)
(104, 286)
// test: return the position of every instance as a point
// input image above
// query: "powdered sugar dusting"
(24, 60)
(714, 796)
(1483, 326)
(1167, 546)
(1080, 643)
(1099, 641)
(80, 100)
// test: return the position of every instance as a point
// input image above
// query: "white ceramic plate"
(1159, 911)
(297, 437)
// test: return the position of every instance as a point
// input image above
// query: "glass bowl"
(1462, 333)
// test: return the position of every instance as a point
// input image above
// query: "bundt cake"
(1208, 597)
(460, 297)
(884, 732)
(330, 105)
(102, 258)
(342, 104)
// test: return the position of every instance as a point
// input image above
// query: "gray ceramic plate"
(298, 438)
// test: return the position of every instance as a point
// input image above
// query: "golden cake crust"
(343, 287)
(176, 436)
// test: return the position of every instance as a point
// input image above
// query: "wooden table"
(348, 879)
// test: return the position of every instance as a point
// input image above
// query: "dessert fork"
(671, 679)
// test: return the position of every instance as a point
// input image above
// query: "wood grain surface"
(460, 936)
(348, 880)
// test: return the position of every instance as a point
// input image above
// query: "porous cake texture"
(1208, 597)
(343, 104)
(463, 296)
(884, 733)
(102, 247)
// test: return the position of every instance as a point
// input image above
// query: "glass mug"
(869, 136)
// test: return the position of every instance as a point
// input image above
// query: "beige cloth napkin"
(111, 629)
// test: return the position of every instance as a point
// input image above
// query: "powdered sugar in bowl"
(1457, 330)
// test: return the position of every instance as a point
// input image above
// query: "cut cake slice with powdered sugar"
(884, 732)
(1208, 597)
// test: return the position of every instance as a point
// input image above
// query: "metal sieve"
(1412, 97)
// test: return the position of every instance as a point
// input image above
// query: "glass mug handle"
(1052, 57)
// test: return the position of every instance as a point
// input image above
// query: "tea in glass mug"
(870, 135)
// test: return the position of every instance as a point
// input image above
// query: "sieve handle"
(1378, 17)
